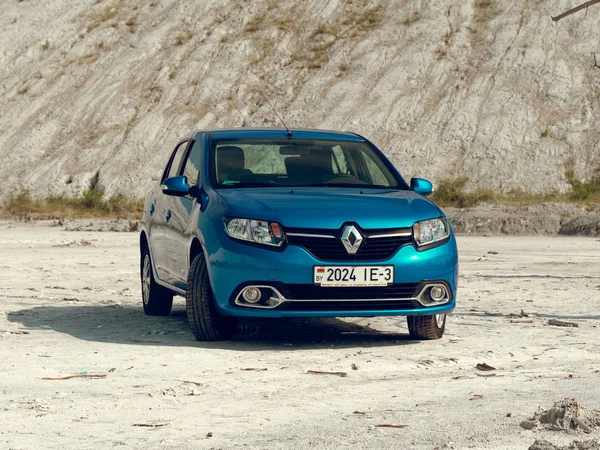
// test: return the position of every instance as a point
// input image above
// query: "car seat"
(314, 167)
(231, 163)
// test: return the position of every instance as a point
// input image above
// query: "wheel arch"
(195, 249)
(143, 240)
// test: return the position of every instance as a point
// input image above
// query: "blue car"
(272, 223)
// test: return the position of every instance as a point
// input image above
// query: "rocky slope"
(489, 89)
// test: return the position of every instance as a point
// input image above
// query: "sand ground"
(70, 303)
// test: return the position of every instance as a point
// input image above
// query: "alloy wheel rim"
(439, 320)
(146, 280)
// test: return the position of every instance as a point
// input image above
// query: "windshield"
(289, 162)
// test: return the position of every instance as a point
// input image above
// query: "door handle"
(168, 215)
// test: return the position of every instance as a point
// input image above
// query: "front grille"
(351, 306)
(312, 292)
(332, 249)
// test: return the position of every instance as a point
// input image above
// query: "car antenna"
(289, 133)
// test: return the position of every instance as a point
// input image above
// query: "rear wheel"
(427, 327)
(204, 320)
(157, 299)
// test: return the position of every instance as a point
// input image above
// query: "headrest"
(230, 155)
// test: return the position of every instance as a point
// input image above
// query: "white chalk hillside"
(493, 90)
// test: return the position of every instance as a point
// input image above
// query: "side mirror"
(421, 186)
(175, 186)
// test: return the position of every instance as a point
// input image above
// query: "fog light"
(251, 295)
(437, 293)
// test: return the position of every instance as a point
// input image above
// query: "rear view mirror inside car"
(294, 150)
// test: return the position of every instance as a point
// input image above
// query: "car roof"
(280, 133)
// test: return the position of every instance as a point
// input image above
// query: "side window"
(173, 167)
(192, 165)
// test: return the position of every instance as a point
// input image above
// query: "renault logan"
(276, 223)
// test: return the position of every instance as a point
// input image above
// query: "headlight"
(258, 231)
(430, 231)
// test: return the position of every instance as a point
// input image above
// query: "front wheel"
(427, 327)
(204, 320)
(157, 299)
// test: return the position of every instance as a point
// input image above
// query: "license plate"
(329, 276)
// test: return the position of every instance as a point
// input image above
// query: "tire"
(427, 327)
(204, 320)
(157, 300)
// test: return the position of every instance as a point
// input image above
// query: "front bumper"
(233, 265)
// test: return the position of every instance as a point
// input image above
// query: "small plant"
(90, 204)
(342, 69)
(441, 52)
(414, 17)
(184, 37)
(46, 45)
(131, 23)
(264, 47)
(121, 206)
(448, 35)
(366, 20)
(101, 17)
(88, 58)
(23, 89)
(485, 10)
(324, 29)
(284, 23)
(452, 193)
(19, 202)
(583, 190)
(255, 24)
(92, 197)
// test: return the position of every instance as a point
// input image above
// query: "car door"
(161, 217)
(184, 218)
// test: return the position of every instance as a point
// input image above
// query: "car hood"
(331, 207)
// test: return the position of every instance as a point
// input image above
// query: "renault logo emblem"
(351, 238)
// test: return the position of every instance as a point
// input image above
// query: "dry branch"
(574, 10)
(317, 372)
(74, 376)
(150, 425)
(561, 323)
